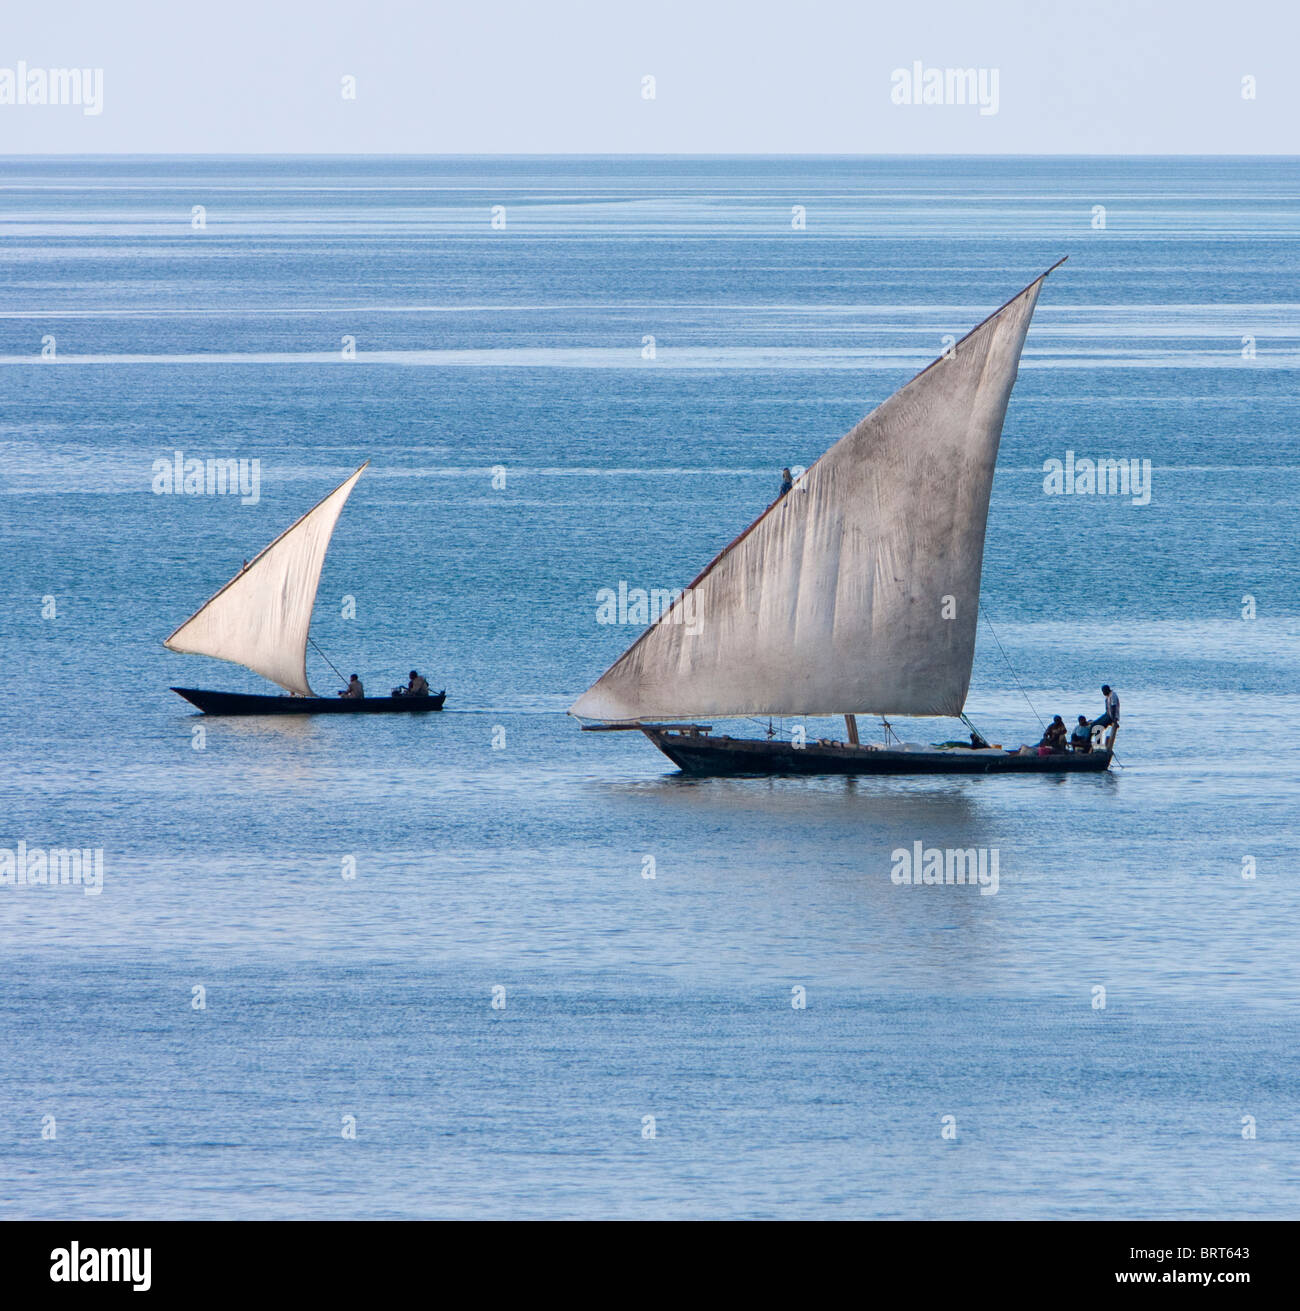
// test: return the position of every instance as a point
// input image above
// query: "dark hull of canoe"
(710, 756)
(239, 703)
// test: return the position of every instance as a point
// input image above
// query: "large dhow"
(261, 619)
(855, 592)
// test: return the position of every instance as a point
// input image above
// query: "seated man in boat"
(1081, 738)
(418, 686)
(787, 482)
(1054, 737)
(354, 690)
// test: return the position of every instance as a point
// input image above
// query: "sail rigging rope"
(974, 731)
(328, 661)
(1010, 666)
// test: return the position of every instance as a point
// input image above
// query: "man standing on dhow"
(1111, 714)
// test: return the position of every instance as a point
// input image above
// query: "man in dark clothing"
(786, 483)
(1054, 737)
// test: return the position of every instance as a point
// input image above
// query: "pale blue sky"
(1093, 76)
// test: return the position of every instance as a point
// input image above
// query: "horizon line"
(620, 154)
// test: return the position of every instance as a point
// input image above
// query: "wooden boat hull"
(704, 755)
(240, 703)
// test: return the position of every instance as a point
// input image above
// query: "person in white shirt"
(1081, 738)
(354, 690)
(1111, 715)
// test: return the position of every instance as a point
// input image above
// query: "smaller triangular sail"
(261, 618)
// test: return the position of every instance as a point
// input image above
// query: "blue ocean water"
(496, 847)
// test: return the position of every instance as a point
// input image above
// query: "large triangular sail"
(857, 591)
(261, 618)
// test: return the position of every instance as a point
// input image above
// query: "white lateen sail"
(261, 618)
(858, 591)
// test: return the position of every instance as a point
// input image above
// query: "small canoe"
(241, 703)
(261, 619)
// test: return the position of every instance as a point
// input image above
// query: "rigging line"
(766, 725)
(328, 661)
(973, 729)
(1010, 666)
(781, 730)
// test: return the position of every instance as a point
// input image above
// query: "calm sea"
(282, 1001)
